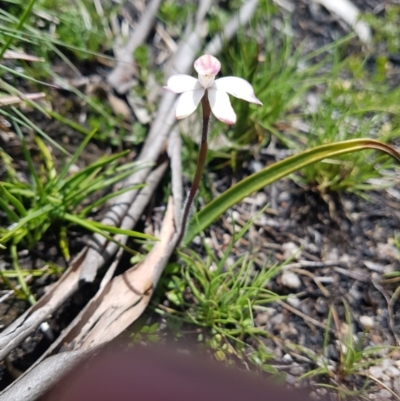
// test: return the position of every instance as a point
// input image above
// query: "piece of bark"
(126, 296)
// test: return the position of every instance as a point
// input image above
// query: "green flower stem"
(201, 161)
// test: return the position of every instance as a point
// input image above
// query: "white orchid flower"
(192, 90)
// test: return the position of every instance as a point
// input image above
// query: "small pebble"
(262, 318)
(290, 249)
(313, 248)
(261, 199)
(255, 166)
(331, 254)
(291, 280)
(287, 358)
(292, 300)
(367, 322)
(230, 261)
(375, 371)
(384, 394)
(321, 391)
(321, 306)
(213, 267)
(290, 379)
(197, 240)
(208, 242)
(284, 197)
(296, 369)
(236, 216)
(277, 319)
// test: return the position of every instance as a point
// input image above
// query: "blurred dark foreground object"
(155, 374)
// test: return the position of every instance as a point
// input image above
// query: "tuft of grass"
(386, 30)
(52, 35)
(345, 111)
(220, 297)
(349, 101)
(355, 357)
(48, 198)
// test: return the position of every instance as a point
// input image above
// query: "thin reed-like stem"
(205, 105)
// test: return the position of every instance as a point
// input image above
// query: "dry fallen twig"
(121, 77)
(12, 55)
(306, 318)
(8, 100)
(350, 14)
(35, 383)
(14, 334)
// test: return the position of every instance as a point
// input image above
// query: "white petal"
(221, 106)
(188, 102)
(237, 87)
(181, 83)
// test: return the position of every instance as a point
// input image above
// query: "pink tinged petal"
(207, 65)
(181, 83)
(237, 87)
(221, 106)
(188, 102)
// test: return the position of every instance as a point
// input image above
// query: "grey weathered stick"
(350, 14)
(245, 13)
(16, 332)
(120, 78)
(35, 383)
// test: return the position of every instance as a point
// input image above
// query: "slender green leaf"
(117, 230)
(74, 158)
(22, 223)
(272, 173)
(111, 195)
